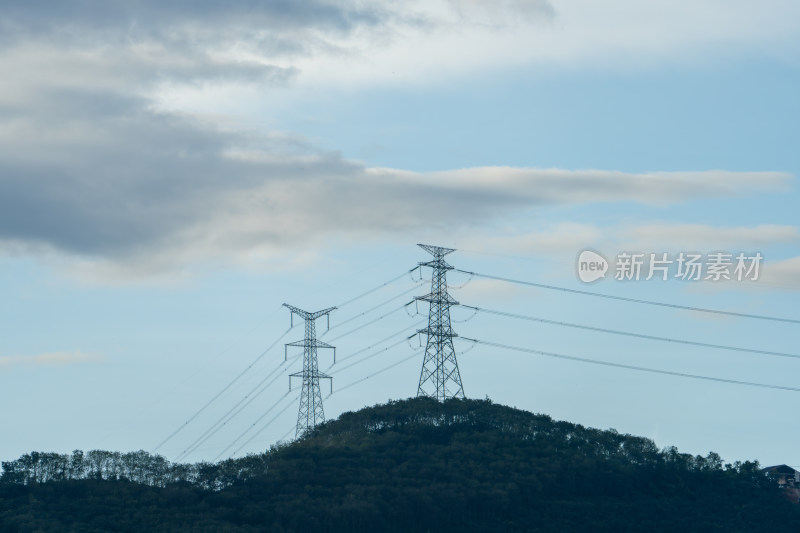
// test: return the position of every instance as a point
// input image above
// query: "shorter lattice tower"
(311, 412)
(440, 377)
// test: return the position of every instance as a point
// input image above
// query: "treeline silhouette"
(412, 465)
(138, 467)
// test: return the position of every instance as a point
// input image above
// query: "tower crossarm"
(436, 251)
(440, 298)
(320, 375)
(437, 332)
(316, 344)
(306, 314)
(312, 345)
(439, 264)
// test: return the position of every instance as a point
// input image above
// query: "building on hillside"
(786, 476)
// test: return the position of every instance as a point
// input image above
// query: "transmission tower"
(439, 378)
(310, 413)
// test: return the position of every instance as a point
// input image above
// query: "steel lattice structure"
(311, 412)
(440, 377)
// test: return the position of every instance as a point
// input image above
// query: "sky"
(172, 173)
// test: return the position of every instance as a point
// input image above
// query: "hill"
(412, 465)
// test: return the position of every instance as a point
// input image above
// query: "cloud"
(781, 275)
(503, 12)
(182, 197)
(488, 290)
(560, 244)
(48, 359)
(93, 167)
(462, 38)
(597, 186)
(193, 22)
(701, 237)
(568, 238)
(113, 180)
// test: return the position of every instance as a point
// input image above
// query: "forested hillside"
(413, 465)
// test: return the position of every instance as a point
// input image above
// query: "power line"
(250, 397)
(379, 287)
(243, 372)
(221, 392)
(370, 356)
(380, 371)
(628, 333)
(339, 324)
(469, 317)
(285, 435)
(362, 326)
(404, 330)
(632, 300)
(198, 370)
(265, 426)
(282, 438)
(227, 417)
(632, 367)
(459, 287)
(259, 419)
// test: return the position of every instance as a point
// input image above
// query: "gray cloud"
(91, 170)
(119, 182)
(502, 12)
(195, 20)
(87, 166)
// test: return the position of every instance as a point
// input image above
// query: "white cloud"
(48, 359)
(781, 275)
(569, 238)
(590, 186)
(618, 34)
(488, 290)
(700, 237)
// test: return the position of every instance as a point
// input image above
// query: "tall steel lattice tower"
(310, 413)
(440, 377)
